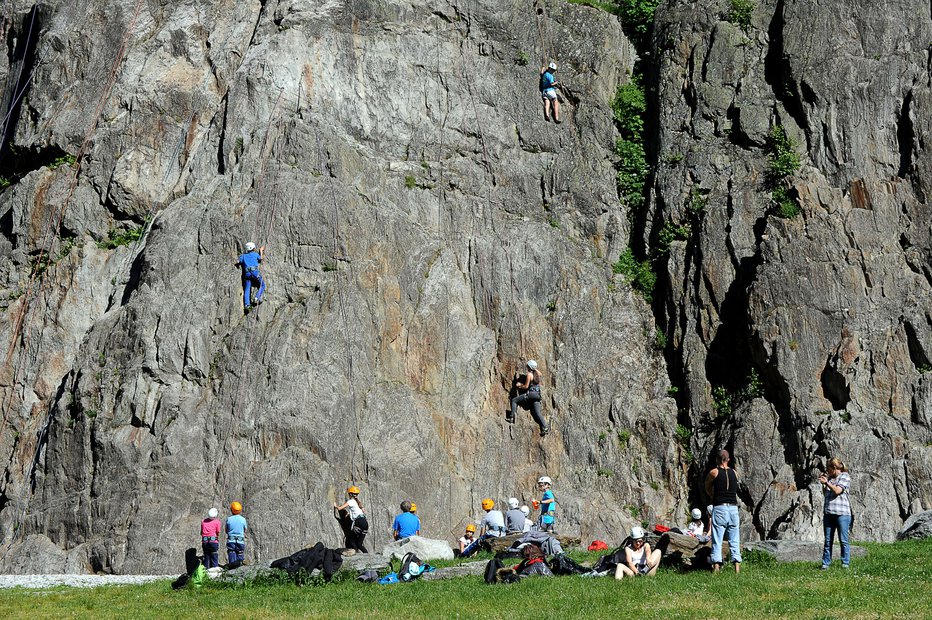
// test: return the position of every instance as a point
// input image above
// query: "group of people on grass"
(721, 486)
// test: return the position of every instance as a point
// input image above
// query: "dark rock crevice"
(22, 64)
(778, 73)
(904, 137)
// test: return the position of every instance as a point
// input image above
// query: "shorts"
(550, 93)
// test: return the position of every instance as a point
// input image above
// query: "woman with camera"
(837, 514)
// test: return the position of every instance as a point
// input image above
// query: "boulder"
(500, 544)
(424, 548)
(450, 572)
(364, 561)
(916, 527)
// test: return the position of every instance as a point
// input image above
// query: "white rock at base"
(424, 548)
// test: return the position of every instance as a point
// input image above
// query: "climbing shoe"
(544, 431)
(509, 419)
(247, 309)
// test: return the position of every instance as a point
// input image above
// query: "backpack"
(562, 564)
(491, 570)
(608, 563)
(412, 567)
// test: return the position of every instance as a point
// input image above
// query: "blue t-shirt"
(250, 260)
(236, 528)
(547, 80)
(547, 510)
(406, 524)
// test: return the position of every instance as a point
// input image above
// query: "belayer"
(249, 262)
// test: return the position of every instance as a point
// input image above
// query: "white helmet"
(212, 513)
(709, 509)
(544, 480)
(250, 246)
(513, 502)
(552, 66)
(637, 533)
(697, 514)
(532, 364)
(525, 510)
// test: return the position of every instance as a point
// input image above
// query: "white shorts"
(550, 93)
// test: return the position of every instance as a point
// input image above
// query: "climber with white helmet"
(548, 91)
(527, 520)
(514, 518)
(529, 397)
(210, 539)
(547, 504)
(249, 262)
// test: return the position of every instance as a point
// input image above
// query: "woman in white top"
(639, 559)
(527, 521)
(359, 525)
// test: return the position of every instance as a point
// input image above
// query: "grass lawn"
(894, 581)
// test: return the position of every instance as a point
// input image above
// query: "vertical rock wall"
(425, 232)
(830, 308)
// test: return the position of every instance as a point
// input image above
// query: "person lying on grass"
(639, 559)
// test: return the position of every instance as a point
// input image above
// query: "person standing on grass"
(210, 538)
(722, 486)
(837, 513)
(359, 525)
(236, 536)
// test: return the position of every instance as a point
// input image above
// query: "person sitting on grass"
(696, 527)
(639, 559)
(468, 538)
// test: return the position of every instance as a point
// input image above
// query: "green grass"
(894, 581)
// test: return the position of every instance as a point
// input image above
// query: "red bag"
(598, 545)
(661, 529)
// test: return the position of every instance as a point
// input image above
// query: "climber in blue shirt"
(249, 261)
(548, 91)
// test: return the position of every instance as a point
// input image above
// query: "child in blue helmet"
(249, 261)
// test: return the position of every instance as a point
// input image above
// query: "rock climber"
(210, 538)
(548, 91)
(514, 518)
(249, 262)
(530, 398)
(236, 536)
(407, 523)
(359, 526)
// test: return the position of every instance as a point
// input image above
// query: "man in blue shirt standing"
(249, 261)
(407, 523)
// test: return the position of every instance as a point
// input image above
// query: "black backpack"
(491, 570)
(561, 564)
(612, 560)
(405, 573)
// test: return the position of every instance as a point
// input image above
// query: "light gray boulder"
(916, 527)
(797, 550)
(424, 548)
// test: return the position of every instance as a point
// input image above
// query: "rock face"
(916, 527)
(795, 339)
(425, 232)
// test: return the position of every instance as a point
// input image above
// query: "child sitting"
(696, 527)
